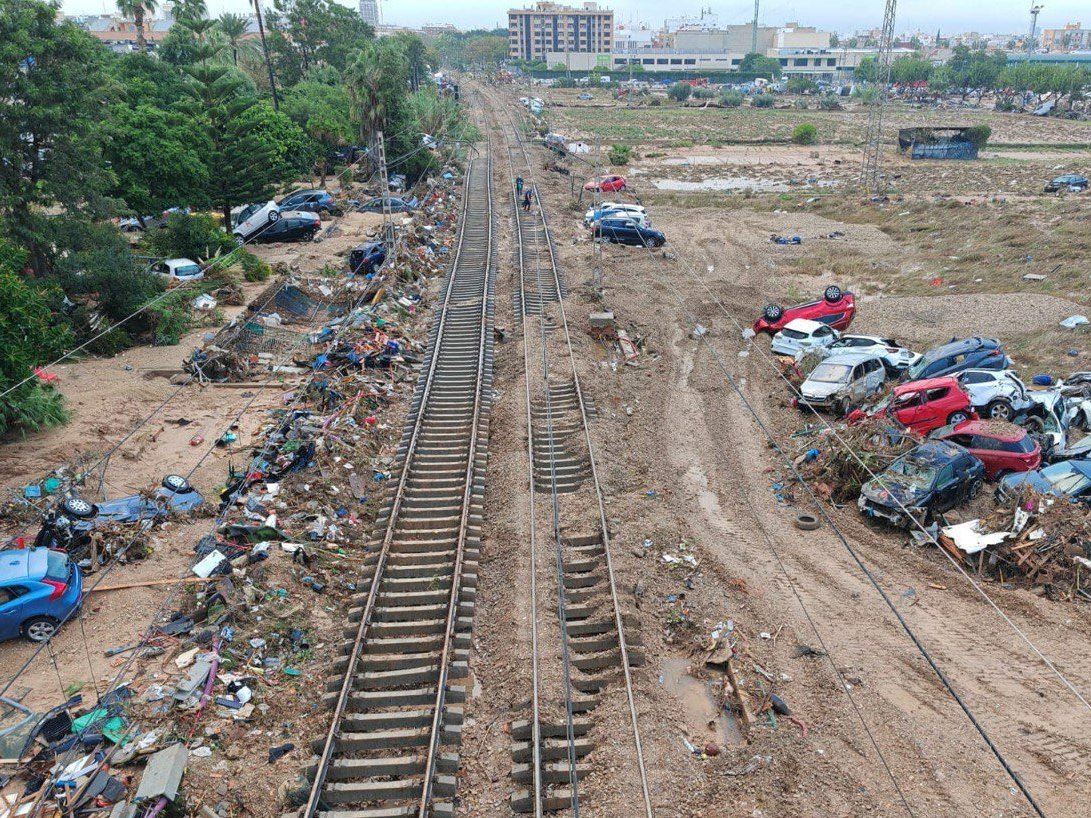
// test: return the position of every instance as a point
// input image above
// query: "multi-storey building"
(551, 27)
(1073, 37)
(369, 10)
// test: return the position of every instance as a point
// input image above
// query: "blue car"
(69, 527)
(39, 589)
(1069, 478)
(367, 258)
(958, 355)
(311, 201)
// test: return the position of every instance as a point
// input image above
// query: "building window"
(831, 62)
(690, 62)
(661, 61)
(649, 62)
(783, 62)
(736, 62)
(676, 62)
(798, 61)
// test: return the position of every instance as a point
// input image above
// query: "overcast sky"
(848, 15)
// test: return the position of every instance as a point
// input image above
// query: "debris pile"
(846, 464)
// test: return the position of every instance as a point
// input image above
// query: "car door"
(11, 611)
(906, 408)
(946, 488)
(876, 376)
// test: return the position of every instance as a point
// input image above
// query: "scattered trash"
(1074, 321)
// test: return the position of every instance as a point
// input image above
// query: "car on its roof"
(836, 308)
(1069, 478)
(1002, 447)
(1069, 181)
(802, 335)
(922, 406)
(957, 355)
(39, 590)
(607, 184)
(934, 477)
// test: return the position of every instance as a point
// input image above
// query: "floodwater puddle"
(703, 717)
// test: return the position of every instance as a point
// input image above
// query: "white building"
(369, 10)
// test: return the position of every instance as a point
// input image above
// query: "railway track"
(595, 641)
(392, 748)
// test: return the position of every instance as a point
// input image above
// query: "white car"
(801, 335)
(614, 207)
(895, 357)
(843, 380)
(254, 218)
(995, 394)
(639, 218)
(178, 270)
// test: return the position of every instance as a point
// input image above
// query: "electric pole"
(388, 215)
(1034, 10)
(870, 171)
(754, 30)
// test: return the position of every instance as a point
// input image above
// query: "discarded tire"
(807, 522)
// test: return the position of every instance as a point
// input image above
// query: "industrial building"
(552, 28)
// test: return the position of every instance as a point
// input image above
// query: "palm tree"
(364, 79)
(136, 9)
(233, 27)
(190, 10)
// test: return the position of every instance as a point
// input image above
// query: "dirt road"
(687, 466)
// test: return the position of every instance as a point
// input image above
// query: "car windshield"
(1066, 479)
(187, 270)
(917, 369)
(913, 472)
(830, 373)
(56, 566)
(793, 333)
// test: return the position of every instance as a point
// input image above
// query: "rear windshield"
(187, 270)
(57, 566)
(1024, 445)
(830, 373)
(793, 333)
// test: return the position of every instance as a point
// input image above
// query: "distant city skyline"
(1003, 16)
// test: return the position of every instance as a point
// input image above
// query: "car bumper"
(875, 510)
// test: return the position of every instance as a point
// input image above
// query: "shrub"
(805, 134)
(680, 91)
(763, 101)
(801, 104)
(253, 268)
(196, 237)
(703, 93)
(620, 154)
(866, 95)
(830, 102)
(978, 134)
(655, 102)
(731, 99)
(171, 318)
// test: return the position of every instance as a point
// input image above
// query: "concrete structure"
(119, 34)
(793, 35)
(369, 11)
(1073, 37)
(727, 40)
(550, 27)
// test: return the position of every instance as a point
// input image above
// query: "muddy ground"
(687, 468)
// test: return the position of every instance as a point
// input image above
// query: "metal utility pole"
(1034, 10)
(265, 51)
(754, 30)
(870, 171)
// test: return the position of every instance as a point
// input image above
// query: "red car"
(835, 307)
(922, 406)
(607, 184)
(1003, 447)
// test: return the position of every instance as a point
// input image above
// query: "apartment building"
(1073, 37)
(551, 27)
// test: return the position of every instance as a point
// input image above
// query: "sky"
(846, 16)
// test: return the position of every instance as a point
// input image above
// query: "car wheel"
(176, 483)
(975, 489)
(999, 410)
(40, 628)
(843, 407)
(957, 417)
(78, 508)
(274, 216)
(772, 312)
(833, 294)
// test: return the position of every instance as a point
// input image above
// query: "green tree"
(680, 91)
(143, 79)
(867, 70)
(137, 9)
(322, 110)
(156, 157)
(52, 94)
(908, 70)
(483, 52)
(377, 84)
(763, 101)
(196, 237)
(307, 33)
(29, 336)
(190, 10)
(760, 65)
(731, 98)
(805, 134)
(233, 27)
(242, 165)
(620, 154)
(800, 85)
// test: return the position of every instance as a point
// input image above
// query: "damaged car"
(836, 308)
(841, 381)
(69, 526)
(1070, 479)
(932, 478)
(995, 394)
(801, 336)
(922, 406)
(958, 355)
(1003, 448)
(896, 357)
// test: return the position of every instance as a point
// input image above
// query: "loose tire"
(807, 522)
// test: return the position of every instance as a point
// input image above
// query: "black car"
(934, 477)
(294, 225)
(1070, 181)
(311, 201)
(397, 205)
(626, 231)
(957, 355)
(367, 258)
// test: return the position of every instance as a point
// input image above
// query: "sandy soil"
(683, 460)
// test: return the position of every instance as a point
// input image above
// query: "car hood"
(1033, 479)
(819, 389)
(892, 492)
